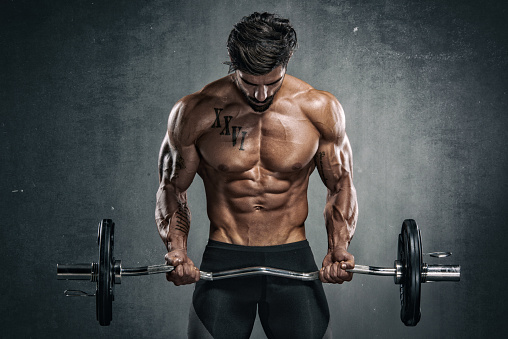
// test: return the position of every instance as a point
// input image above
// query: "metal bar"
(145, 270)
(439, 254)
(76, 272)
(241, 272)
(87, 272)
(259, 270)
(373, 270)
(77, 293)
(441, 273)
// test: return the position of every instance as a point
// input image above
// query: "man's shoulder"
(321, 107)
(309, 97)
(210, 95)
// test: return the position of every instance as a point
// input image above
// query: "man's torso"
(256, 165)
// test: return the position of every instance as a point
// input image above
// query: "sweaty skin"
(255, 140)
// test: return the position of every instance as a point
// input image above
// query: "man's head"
(259, 47)
(260, 42)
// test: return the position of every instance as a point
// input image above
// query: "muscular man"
(254, 137)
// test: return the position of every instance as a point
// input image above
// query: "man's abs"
(258, 210)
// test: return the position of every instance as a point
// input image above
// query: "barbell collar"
(399, 274)
(117, 272)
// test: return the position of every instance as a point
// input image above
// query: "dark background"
(86, 88)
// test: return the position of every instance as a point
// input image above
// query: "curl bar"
(409, 272)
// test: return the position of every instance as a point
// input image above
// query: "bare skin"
(255, 140)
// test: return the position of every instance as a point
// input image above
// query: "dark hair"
(259, 43)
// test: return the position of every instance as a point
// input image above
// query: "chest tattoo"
(234, 131)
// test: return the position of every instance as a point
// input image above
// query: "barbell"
(409, 272)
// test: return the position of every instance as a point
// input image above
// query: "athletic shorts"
(287, 308)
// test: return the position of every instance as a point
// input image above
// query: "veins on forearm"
(341, 214)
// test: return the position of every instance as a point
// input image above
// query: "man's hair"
(259, 43)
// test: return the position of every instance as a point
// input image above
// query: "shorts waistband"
(263, 249)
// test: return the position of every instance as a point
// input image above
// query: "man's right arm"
(178, 163)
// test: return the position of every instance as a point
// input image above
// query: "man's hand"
(185, 272)
(334, 266)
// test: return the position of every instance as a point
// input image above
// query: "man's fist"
(185, 272)
(334, 266)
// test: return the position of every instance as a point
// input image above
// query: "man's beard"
(259, 106)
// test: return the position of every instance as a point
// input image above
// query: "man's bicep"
(178, 156)
(178, 164)
(334, 161)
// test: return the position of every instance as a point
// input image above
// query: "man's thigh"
(294, 309)
(225, 308)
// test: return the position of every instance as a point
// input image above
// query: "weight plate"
(410, 256)
(104, 293)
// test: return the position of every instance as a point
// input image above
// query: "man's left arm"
(334, 161)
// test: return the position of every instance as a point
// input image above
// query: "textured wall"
(86, 87)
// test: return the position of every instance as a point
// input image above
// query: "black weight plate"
(410, 256)
(104, 293)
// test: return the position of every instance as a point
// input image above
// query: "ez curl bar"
(409, 272)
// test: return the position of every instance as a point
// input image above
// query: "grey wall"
(86, 87)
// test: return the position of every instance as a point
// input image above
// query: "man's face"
(259, 90)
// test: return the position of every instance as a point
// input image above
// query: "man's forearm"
(179, 226)
(173, 218)
(173, 221)
(341, 213)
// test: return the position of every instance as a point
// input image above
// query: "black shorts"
(287, 308)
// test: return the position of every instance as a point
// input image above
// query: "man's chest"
(237, 142)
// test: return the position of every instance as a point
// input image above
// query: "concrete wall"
(86, 88)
